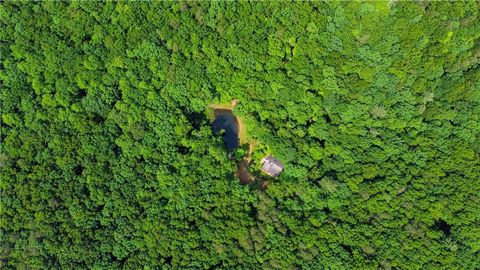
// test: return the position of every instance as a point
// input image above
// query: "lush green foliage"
(107, 162)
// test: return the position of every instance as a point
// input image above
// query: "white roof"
(271, 166)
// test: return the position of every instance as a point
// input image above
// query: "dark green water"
(225, 120)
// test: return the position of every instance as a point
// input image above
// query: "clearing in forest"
(242, 132)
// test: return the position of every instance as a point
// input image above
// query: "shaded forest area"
(108, 162)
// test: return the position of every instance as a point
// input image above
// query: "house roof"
(271, 166)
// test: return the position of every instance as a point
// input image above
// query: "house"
(271, 166)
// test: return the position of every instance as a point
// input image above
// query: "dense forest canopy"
(109, 161)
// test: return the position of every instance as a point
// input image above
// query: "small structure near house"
(271, 166)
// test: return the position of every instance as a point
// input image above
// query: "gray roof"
(271, 166)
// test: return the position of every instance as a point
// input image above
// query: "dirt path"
(242, 132)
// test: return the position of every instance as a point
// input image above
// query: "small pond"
(225, 120)
(243, 173)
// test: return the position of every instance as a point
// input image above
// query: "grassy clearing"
(242, 131)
